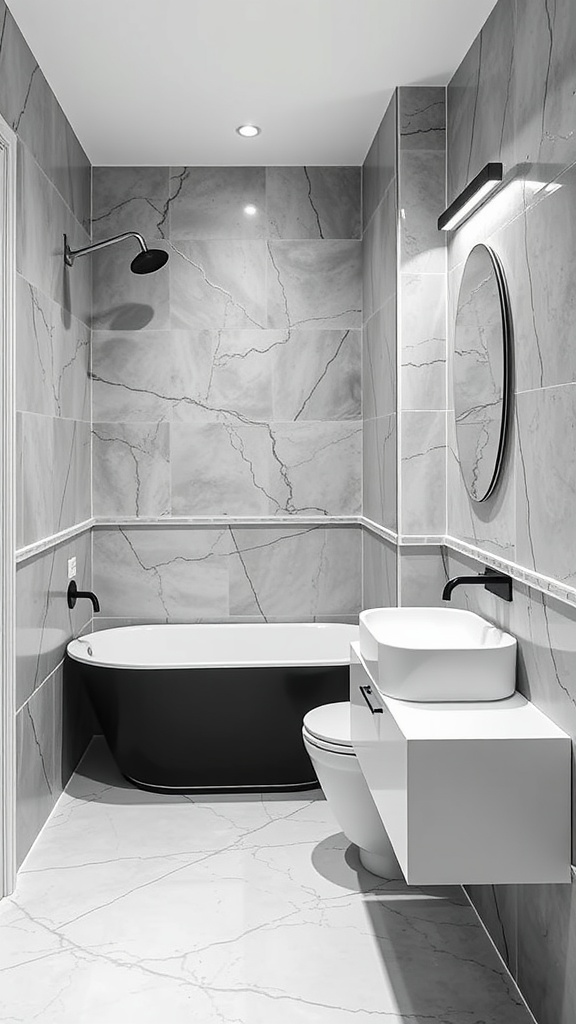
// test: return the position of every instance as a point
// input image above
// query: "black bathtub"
(212, 708)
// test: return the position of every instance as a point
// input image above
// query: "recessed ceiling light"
(248, 131)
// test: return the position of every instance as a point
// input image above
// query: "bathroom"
(261, 438)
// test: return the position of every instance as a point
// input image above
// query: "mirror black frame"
(507, 349)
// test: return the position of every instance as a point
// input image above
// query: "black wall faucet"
(496, 582)
(72, 595)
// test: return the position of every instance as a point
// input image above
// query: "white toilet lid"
(330, 723)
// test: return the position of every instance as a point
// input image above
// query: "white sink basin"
(437, 654)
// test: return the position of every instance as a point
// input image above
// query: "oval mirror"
(481, 371)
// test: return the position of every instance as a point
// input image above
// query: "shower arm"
(71, 254)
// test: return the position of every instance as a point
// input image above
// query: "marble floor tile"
(136, 907)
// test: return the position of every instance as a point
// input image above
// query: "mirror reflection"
(481, 371)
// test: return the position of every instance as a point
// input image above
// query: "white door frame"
(8, 481)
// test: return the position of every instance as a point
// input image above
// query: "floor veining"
(135, 908)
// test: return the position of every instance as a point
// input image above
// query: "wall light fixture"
(475, 193)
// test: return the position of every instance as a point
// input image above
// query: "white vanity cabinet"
(468, 792)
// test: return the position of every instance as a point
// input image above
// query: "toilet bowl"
(326, 735)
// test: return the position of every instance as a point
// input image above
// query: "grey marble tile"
(130, 199)
(131, 469)
(379, 256)
(422, 117)
(151, 375)
(316, 375)
(480, 99)
(379, 168)
(421, 200)
(42, 220)
(423, 473)
(161, 574)
(546, 480)
(546, 937)
(295, 574)
(313, 202)
(123, 301)
(225, 469)
(489, 524)
(217, 202)
(422, 575)
(379, 376)
(379, 471)
(379, 571)
(496, 906)
(30, 107)
(314, 283)
(423, 345)
(56, 487)
(217, 284)
(241, 376)
(38, 744)
(236, 468)
(52, 357)
(44, 623)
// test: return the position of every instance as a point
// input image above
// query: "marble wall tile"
(38, 744)
(56, 485)
(421, 201)
(236, 468)
(316, 375)
(313, 202)
(379, 255)
(489, 524)
(379, 572)
(123, 301)
(379, 363)
(211, 202)
(31, 109)
(202, 574)
(52, 357)
(295, 575)
(421, 576)
(42, 220)
(496, 906)
(546, 481)
(422, 117)
(131, 469)
(44, 623)
(130, 199)
(546, 938)
(423, 329)
(379, 168)
(314, 283)
(217, 284)
(423, 472)
(379, 471)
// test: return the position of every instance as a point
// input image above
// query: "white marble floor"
(135, 908)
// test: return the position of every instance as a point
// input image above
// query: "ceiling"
(168, 81)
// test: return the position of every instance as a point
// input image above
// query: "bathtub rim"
(78, 648)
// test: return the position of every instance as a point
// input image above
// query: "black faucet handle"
(496, 582)
(72, 595)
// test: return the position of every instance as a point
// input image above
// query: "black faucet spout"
(72, 595)
(496, 582)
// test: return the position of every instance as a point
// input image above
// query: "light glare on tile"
(250, 210)
(248, 131)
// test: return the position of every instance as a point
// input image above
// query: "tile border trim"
(23, 554)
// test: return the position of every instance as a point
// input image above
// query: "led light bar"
(471, 197)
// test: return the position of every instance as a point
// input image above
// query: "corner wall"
(53, 425)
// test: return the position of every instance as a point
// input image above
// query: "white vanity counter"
(469, 792)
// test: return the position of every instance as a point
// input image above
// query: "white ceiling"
(168, 81)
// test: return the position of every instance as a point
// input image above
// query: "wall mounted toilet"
(326, 735)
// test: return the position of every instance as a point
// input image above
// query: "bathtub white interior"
(227, 645)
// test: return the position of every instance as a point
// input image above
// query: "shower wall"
(226, 388)
(53, 426)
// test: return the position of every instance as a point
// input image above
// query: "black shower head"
(148, 261)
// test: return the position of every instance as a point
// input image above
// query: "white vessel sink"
(437, 654)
